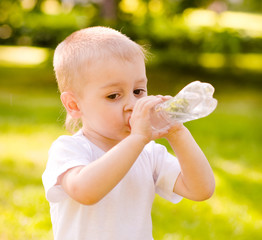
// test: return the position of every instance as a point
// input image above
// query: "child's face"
(108, 98)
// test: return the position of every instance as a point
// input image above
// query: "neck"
(102, 142)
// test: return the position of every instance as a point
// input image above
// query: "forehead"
(114, 72)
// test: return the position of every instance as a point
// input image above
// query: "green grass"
(31, 118)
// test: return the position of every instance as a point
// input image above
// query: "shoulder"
(158, 153)
(75, 139)
(154, 152)
(153, 148)
(67, 146)
(66, 152)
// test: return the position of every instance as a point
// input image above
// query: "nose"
(130, 103)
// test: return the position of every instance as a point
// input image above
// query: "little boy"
(102, 180)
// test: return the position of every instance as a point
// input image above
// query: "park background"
(219, 42)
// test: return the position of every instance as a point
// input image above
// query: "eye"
(113, 96)
(139, 91)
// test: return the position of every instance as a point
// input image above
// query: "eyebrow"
(116, 84)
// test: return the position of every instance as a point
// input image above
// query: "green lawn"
(31, 118)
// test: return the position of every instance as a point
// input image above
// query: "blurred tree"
(245, 5)
(161, 23)
(184, 4)
(109, 9)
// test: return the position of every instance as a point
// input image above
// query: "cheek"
(110, 114)
(104, 114)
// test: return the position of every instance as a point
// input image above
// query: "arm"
(196, 180)
(89, 184)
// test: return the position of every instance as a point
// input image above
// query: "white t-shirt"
(125, 212)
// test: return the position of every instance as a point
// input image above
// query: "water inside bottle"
(193, 102)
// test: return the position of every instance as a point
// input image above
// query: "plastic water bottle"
(194, 101)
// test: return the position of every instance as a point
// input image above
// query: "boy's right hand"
(140, 119)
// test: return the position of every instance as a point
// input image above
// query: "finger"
(150, 104)
(167, 97)
(146, 103)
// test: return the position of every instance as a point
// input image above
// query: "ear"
(70, 103)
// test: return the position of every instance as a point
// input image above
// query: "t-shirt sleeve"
(166, 171)
(65, 153)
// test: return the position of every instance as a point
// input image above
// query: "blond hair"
(82, 49)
